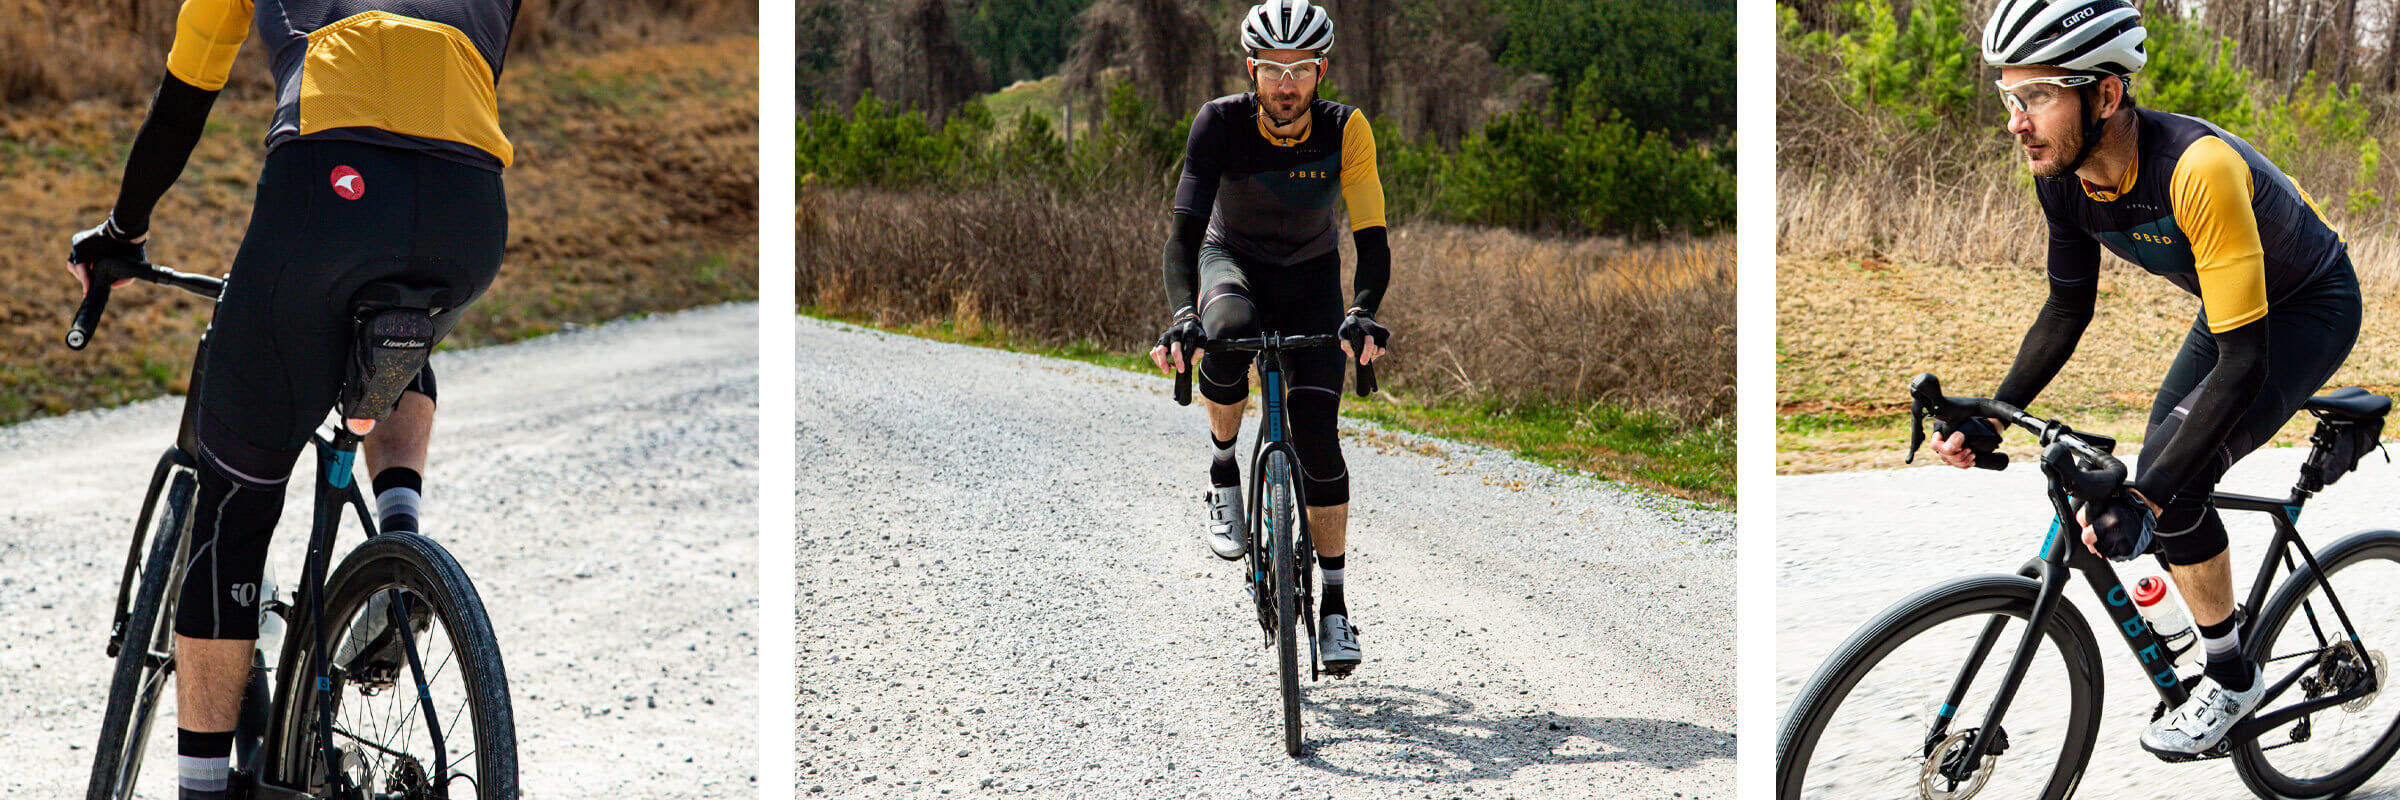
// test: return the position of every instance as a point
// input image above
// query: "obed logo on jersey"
(1309, 173)
(348, 183)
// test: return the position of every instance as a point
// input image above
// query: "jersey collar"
(2133, 169)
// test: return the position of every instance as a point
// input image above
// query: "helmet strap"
(2094, 127)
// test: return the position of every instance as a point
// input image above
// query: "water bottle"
(2166, 616)
(270, 621)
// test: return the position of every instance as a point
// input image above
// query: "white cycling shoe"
(2200, 724)
(1337, 645)
(372, 650)
(1228, 537)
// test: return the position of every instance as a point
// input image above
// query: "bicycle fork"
(2057, 559)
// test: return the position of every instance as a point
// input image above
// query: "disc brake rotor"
(1931, 779)
(2382, 670)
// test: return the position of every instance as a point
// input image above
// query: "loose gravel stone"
(1022, 536)
(1848, 545)
(599, 486)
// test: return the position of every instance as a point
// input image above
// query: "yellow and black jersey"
(2204, 209)
(1270, 200)
(417, 74)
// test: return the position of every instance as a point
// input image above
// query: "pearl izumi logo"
(348, 184)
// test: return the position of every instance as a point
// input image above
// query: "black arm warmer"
(1181, 261)
(1374, 267)
(165, 142)
(2049, 342)
(2216, 404)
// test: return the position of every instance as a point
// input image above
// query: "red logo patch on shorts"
(348, 183)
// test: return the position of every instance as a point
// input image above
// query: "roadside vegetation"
(1908, 238)
(1563, 265)
(635, 189)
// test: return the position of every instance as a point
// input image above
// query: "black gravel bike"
(389, 684)
(1897, 710)
(1282, 557)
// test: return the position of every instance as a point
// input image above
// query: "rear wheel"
(145, 653)
(2333, 751)
(419, 698)
(1283, 540)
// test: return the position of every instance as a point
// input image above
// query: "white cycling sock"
(397, 501)
(203, 760)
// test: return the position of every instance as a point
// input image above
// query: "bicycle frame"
(336, 490)
(1272, 437)
(2060, 555)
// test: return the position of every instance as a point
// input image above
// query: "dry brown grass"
(1479, 314)
(1902, 250)
(635, 190)
(53, 51)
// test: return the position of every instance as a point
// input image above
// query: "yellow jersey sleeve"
(1362, 187)
(207, 35)
(2211, 197)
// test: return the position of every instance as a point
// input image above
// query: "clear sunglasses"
(1301, 71)
(2031, 95)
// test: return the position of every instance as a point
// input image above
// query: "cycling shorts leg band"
(423, 383)
(2202, 540)
(231, 523)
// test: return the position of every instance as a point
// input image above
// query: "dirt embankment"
(634, 190)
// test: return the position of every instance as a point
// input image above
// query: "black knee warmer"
(1227, 314)
(2191, 538)
(1315, 421)
(231, 523)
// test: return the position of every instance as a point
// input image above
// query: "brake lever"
(1916, 429)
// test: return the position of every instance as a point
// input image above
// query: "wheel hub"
(1947, 774)
(2355, 670)
(407, 781)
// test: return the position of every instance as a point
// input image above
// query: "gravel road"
(600, 485)
(1003, 590)
(1850, 544)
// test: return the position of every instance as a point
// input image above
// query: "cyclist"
(2185, 199)
(1252, 249)
(383, 163)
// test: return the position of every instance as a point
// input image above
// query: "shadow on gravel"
(1399, 733)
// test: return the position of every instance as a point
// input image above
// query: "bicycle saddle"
(2350, 402)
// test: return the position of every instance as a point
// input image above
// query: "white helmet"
(1287, 25)
(2082, 35)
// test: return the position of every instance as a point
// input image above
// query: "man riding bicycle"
(2182, 198)
(383, 164)
(1252, 250)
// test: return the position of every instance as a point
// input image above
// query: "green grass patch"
(1646, 449)
(1040, 97)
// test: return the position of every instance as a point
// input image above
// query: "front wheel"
(1879, 718)
(145, 653)
(2333, 751)
(418, 698)
(1283, 540)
